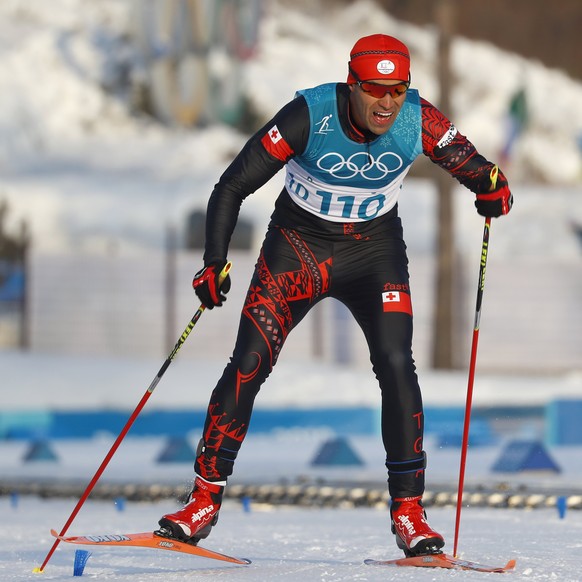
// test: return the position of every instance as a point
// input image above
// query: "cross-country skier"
(334, 232)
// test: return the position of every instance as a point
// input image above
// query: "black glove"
(494, 203)
(206, 285)
(498, 200)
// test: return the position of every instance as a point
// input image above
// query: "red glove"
(206, 285)
(498, 200)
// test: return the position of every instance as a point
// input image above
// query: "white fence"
(85, 304)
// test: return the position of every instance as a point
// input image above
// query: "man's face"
(374, 114)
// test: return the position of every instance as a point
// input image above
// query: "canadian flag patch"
(274, 143)
(397, 301)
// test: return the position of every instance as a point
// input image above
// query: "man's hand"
(206, 285)
(498, 200)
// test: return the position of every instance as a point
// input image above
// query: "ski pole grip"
(493, 177)
(224, 273)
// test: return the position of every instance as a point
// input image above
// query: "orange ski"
(442, 561)
(148, 540)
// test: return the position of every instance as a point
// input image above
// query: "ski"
(148, 540)
(442, 561)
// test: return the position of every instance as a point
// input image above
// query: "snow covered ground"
(44, 381)
(285, 544)
(288, 543)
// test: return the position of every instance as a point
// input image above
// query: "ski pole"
(465, 441)
(131, 420)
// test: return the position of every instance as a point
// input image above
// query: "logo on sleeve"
(448, 137)
(276, 145)
(275, 134)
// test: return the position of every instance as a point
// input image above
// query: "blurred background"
(117, 117)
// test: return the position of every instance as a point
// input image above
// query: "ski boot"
(413, 534)
(194, 521)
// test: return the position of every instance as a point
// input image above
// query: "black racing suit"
(305, 258)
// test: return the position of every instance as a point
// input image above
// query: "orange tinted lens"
(379, 91)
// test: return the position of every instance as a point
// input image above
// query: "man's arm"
(265, 153)
(453, 152)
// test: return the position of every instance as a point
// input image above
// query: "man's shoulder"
(320, 92)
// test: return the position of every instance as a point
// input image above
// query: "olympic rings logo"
(372, 169)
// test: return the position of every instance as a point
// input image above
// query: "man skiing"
(334, 232)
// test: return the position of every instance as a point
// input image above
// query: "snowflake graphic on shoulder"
(405, 129)
(318, 93)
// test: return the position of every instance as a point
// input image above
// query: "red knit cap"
(379, 57)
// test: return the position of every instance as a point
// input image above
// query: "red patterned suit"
(309, 254)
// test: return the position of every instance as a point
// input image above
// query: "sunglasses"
(379, 91)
